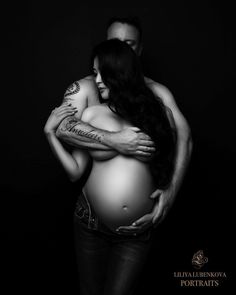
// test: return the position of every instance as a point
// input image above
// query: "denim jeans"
(108, 263)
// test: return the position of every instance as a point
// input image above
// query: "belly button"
(125, 207)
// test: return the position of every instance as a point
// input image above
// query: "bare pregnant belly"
(119, 190)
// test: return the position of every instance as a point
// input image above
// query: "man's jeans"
(108, 263)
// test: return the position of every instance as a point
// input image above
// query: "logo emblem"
(199, 259)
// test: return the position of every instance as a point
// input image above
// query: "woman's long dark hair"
(131, 99)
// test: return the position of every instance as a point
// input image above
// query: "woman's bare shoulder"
(93, 111)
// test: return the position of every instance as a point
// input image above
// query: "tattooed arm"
(81, 94)
(80, 134)
(75, 132)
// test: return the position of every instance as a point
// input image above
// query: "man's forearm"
(82, 135)
(183, 156)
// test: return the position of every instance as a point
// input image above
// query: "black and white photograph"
(118, 147)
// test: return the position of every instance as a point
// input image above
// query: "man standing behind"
(84, 93)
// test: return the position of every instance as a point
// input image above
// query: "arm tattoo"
(70, 124)
(71, 90)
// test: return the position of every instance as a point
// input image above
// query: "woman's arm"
(74, 164)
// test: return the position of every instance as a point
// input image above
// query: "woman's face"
(104, 91)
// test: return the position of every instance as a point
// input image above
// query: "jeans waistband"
(85, 213)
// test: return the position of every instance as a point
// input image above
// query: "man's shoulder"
(157, 86)
(160, 90)
(81, 93)
(86, 83)
(84, 87)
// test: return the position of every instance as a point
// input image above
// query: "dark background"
(188, 48)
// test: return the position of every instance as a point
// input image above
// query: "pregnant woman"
(117, 187)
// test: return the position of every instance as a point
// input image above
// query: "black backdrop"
(188, 48)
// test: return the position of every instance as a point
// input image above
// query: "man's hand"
(131, 141)
(164, 201)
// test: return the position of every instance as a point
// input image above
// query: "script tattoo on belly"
(71, 90)
(70, 123)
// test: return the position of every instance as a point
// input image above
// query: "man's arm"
(166, 198)
(77, 133)
(83, 135)
(184, 138)
(80, 94)
(80, 134)
(184, 147)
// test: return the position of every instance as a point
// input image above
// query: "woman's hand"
(57, 115)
